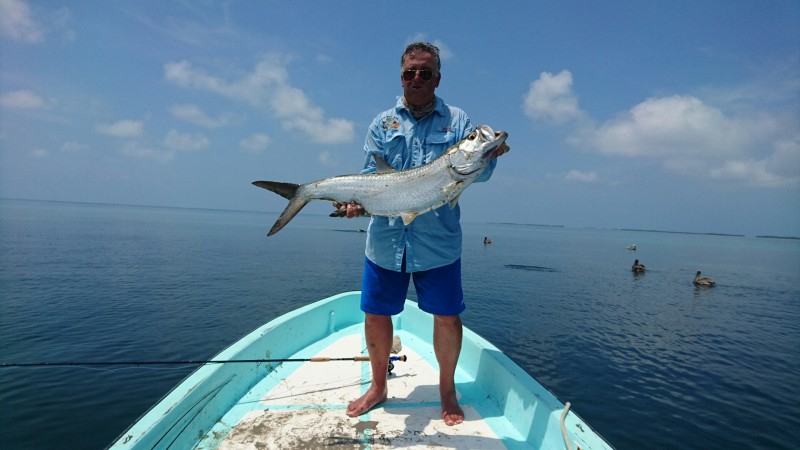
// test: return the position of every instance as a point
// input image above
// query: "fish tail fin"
(287, 191)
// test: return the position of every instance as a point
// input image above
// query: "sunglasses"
(425, 74)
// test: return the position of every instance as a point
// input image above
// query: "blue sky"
(669, 115)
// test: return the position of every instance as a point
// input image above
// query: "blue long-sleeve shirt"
(433, 239)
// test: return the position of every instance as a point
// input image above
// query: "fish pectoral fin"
(449, 189)
(454, 201)
(408, 217)
(381, 166)
(452, 187)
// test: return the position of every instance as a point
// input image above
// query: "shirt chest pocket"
(394, 149)
(436, 144)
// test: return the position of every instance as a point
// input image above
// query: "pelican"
(637, 267)
(702, 281)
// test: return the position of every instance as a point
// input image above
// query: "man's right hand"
(349, 210)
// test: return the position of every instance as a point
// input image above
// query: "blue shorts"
(384, 291)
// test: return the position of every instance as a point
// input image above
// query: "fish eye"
(472, 136)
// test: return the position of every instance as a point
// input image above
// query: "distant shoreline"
(682, 232)
(710, 234)
(131, 205)
(495, 223)
(652, 231)
(528, 224)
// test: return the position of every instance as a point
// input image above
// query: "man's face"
(419, 92)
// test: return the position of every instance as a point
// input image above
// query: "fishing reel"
(392, 359)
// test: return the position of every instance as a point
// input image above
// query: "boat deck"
(302, 405)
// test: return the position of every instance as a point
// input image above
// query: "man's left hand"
(504, 148)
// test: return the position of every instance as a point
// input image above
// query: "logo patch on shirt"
(390, 122)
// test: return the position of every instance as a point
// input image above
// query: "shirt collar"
(439, 108)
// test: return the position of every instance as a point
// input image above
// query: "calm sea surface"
(649, 361)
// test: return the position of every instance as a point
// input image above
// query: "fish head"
(472, 154)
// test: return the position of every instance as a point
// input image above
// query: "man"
(415, 131)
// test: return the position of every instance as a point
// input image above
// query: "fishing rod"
(186, 362)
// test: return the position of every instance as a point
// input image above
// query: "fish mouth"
(493, 140)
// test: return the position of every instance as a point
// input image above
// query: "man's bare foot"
(452, 414)
(372, 398)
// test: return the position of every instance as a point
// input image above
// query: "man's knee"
(447, 321)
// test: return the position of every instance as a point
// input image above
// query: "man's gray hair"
(422, 47)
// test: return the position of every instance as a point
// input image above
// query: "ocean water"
(650, 361)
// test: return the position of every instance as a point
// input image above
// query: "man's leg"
(378, 334)
(447, 335)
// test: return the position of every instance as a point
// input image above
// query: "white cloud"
(676, 125)
(173, 143)
(40, 153)
(687, 135)
(750, 172)
(582, 177)
(550, 98)
(256, 143)
(268, 86)
(444, 51)
(23, 99)
(184, 142)
(17, 22)
(326, 159)
(254, 88)
(61, 19)
(122, 128)
(193, 114)
(787, 154)
(782, 168)
(138, 150)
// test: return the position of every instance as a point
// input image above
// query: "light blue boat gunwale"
(196, 404)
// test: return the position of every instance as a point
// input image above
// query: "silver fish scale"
(393, 193)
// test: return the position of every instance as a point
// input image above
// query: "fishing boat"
(287, 385)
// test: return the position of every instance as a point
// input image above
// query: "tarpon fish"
(391, 193)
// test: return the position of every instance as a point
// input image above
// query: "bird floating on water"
(632, 247)
(637, 267)
(486, 240)
(703, 281)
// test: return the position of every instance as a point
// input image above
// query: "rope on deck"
(563, 427)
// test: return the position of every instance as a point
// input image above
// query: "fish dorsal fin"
(381, 166)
